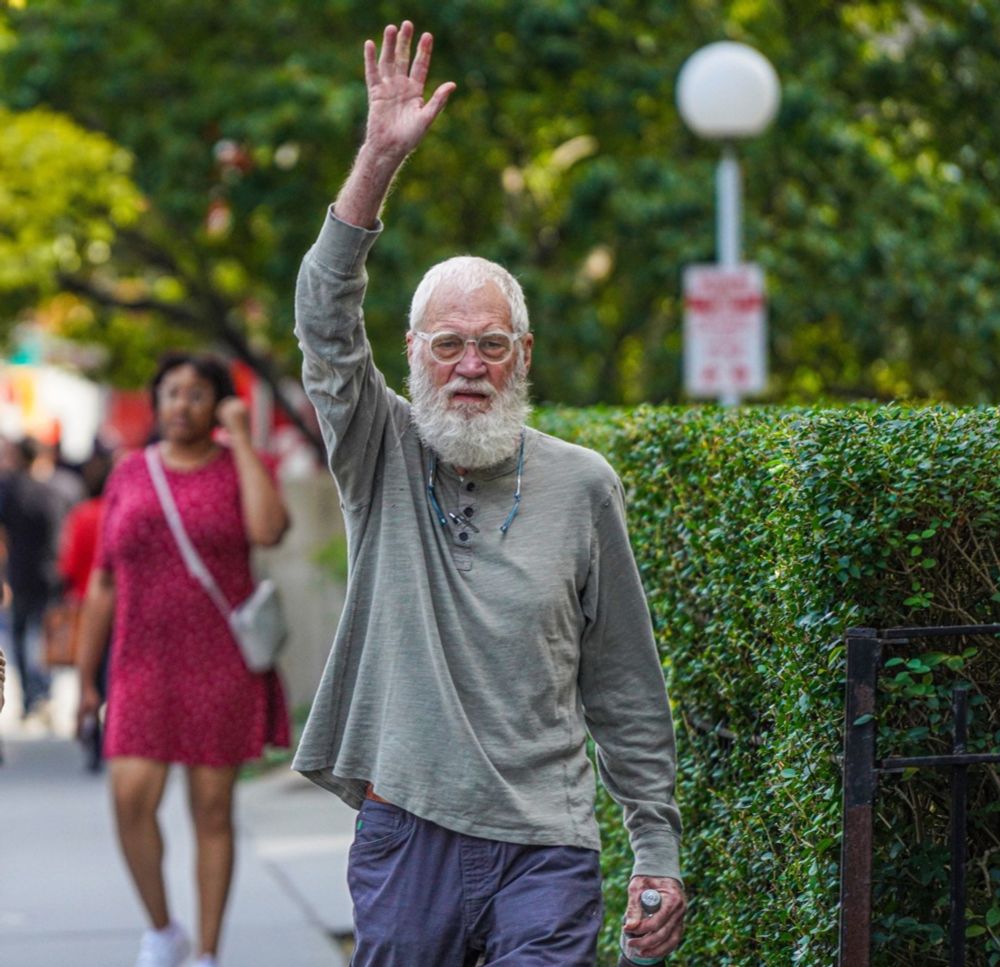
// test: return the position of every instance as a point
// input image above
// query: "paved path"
(65, 900)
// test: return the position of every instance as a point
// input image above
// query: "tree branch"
(210, 321)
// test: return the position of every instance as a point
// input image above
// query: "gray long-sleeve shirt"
(469, 665)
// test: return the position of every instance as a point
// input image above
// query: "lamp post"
(727, 91)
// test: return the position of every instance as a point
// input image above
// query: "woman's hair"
(209, 368)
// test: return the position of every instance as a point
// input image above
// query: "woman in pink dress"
(179, 691)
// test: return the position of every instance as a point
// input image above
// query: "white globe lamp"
(727, 91)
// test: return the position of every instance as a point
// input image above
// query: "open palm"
(398, 117)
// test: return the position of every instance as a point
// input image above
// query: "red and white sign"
(725, 331)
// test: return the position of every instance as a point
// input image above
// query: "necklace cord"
(439, 513)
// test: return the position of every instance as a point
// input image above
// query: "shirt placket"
(463, 522)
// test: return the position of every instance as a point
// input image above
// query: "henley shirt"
(469, 665)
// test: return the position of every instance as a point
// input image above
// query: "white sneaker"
(206, 960)
(168, 947)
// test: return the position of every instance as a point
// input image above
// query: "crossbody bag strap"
(192, 560)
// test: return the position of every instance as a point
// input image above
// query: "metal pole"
(860, 782)
(728, 219)
(959, 785)
(728, 215)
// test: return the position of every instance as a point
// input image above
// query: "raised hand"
(234, 417)
(398, 117)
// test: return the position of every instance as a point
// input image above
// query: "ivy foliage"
(762, 535)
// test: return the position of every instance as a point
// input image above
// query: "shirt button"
(471, 485)
(469, 511)
(463, 536)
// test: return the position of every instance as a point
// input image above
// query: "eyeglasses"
(449, 347)
(194, 396)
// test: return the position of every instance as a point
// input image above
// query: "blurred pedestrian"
(30, 512)
(67, 483)
(77, 551)
(178, 690)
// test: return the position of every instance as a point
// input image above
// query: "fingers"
(371, 63)
(422, 61)
(233, 415)
(438, 99)
(397, 112)
(403, 40)
(394, 57)
(633, 913)
(388, 56)
(662, 932)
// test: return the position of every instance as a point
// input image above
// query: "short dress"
(179, 690)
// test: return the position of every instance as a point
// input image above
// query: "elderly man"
(494, 614)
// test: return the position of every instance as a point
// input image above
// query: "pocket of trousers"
(379, 827)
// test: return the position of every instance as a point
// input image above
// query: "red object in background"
(129, 422)
(78, 545)
(248, 384)
(244, 379)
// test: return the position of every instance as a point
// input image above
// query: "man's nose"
(471, 363)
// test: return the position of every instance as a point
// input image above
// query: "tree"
(65, 194)
(561, 154)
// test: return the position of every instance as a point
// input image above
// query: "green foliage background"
(870, 202)
(761, 536)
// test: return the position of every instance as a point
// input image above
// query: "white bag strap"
(192, 560)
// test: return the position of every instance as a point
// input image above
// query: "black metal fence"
(862, 769)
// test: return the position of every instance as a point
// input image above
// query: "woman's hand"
(90, 705)
(234, 417)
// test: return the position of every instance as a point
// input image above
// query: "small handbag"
(60, 633)
(257, 623)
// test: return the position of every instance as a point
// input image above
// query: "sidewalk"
(66, 901)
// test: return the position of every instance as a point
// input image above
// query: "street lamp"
(728, 91)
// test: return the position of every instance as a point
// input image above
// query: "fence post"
(959, 804)
(860, 781)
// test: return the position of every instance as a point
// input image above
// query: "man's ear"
(409, 346)
(527, 342)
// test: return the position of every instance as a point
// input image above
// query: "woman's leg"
(211, 797)
(137, 788)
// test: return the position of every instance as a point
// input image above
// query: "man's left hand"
(657, 935)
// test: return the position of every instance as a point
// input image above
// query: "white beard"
(462, 434)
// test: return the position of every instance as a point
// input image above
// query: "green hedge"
(762, 534)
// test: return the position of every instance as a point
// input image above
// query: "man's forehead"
(451, 303)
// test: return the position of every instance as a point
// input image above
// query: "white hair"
(467, 273)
